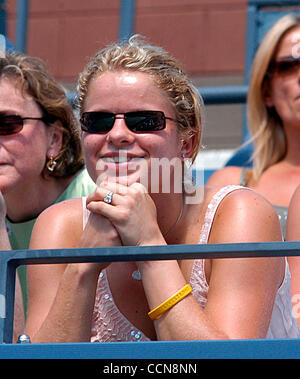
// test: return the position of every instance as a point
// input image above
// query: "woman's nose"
(120, 134)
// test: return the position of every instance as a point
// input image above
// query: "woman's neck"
(293, 152)
(26, 202)
(170, 210)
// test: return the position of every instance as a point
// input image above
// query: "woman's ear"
(55, 139)
(187, 146)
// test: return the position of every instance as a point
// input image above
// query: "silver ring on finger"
(108, 197)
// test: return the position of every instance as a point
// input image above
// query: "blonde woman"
(137, 106)
(273, 107)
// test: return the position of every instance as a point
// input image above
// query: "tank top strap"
(243, 177)
(212, 208)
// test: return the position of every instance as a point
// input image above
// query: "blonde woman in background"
(274, 125)
(273, 108)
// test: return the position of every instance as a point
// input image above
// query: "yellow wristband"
(170, 302)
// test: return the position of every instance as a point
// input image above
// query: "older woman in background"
(41, 159)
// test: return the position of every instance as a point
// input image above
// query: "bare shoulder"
(293, 221)
(295, 200)
(225, 176)
(294, 206)
(58, 226)
(245, 216)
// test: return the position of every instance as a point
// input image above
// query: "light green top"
(20, 233)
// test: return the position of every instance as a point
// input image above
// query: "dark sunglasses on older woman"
(137, 122)
(12, 124)
(285, 66)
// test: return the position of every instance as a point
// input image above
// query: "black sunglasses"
(285, 66)
(137, 122)
(12, 124)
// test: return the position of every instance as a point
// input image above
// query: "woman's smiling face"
(120, 92)
(284, 91)
(23, 154)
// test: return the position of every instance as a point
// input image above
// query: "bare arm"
(293, 234)
(19, 318)
(61, 297)
(4, 240)
(241, 291)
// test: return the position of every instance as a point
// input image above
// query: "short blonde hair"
(35, 80)
(264, 124)
(167, 73)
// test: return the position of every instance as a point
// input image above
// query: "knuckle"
(137, 191)
(123, 216)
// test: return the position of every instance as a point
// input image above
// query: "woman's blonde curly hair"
(167, 73)
(34, 79)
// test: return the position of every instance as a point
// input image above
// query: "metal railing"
(10, 260)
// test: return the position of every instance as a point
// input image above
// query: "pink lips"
(120, 157)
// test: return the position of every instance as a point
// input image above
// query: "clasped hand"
(131, 212)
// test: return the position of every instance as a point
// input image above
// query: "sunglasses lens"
(10, 125)
(97, 122)
(286, 67)
(145, 121)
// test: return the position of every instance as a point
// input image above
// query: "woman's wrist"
(85, 271)
(161, 272)
(153, 239)
(161, 280)
(156, 266)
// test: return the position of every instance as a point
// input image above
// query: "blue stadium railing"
(10, 260)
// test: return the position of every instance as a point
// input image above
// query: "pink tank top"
(110, 325)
